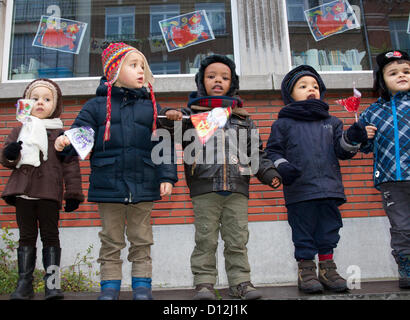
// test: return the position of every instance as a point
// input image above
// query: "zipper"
(224, 164)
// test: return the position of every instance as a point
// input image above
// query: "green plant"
(72, 277)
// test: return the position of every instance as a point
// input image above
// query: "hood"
(199, 77)
(291, 77)
(52, 86)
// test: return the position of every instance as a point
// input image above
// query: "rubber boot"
(51, 257)
(26, 262)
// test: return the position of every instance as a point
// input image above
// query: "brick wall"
(265, 203)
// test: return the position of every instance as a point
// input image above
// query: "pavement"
(372, 290)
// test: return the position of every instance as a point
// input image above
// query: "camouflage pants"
(229, 215)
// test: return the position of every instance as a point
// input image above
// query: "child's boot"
(26, 262)
(51, 257)
(403, 262)
(329, 277)
(245, 291)
(307, 277)
(204, 291)
(110, 290)
(141, 289)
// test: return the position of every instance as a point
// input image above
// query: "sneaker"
(403, 262)
(204, 291)
(329, 277)
(307, 277)
(245, 291)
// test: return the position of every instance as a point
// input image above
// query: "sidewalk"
(375, 290)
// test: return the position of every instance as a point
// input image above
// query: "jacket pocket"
(103, 174)
(150, 175)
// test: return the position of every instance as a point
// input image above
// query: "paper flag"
(207, 123)
(24, 107)
(82, 139)
(351, 104)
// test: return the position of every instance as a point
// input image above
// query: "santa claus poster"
(186, 30)
(330, 19)
(60, 34)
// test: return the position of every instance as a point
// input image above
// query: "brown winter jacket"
(46, 181)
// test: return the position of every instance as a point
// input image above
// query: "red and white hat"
(112, 58)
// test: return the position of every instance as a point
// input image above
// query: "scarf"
(306, 110)
(33, 134)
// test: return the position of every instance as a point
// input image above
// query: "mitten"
(288, 172)
(356, 133)
(12, 151)
(71, 205)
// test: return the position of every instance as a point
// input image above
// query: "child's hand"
(371, 131)
(174, 115)
(275, 182)
(61, 142)
(165, 189)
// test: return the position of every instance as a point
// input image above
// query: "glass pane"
(65, 38)
(345, 35)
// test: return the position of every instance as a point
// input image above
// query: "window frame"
(269, 78)
(6, 46)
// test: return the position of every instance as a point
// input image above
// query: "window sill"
(186, 83)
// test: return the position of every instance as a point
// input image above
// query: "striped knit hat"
(112, 58)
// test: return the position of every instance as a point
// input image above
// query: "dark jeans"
(34, 214)
(315, 227)
(396, 203)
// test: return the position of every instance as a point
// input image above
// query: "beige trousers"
(134, 220)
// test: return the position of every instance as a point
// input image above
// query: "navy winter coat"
(121, 168)
(314, 147)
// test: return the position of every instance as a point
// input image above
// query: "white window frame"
(6, 45)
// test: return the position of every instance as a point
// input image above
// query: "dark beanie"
(390, 56)
(382, 60)
(199, 77)
(294, 75)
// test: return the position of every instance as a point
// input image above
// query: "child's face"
(217, 79)
(397, 77)
(132, 72)
(44, 102)
(305, 88)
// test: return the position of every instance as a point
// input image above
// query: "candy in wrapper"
(23, 109)
(82, 139)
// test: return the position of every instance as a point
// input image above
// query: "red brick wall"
(265, 203)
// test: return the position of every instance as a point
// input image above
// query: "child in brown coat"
(36, 185)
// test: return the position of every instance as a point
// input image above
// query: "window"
(345, 35)
(119, 23)
(215, 12)
(70, 43)
(158, 13)
(399, 37)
